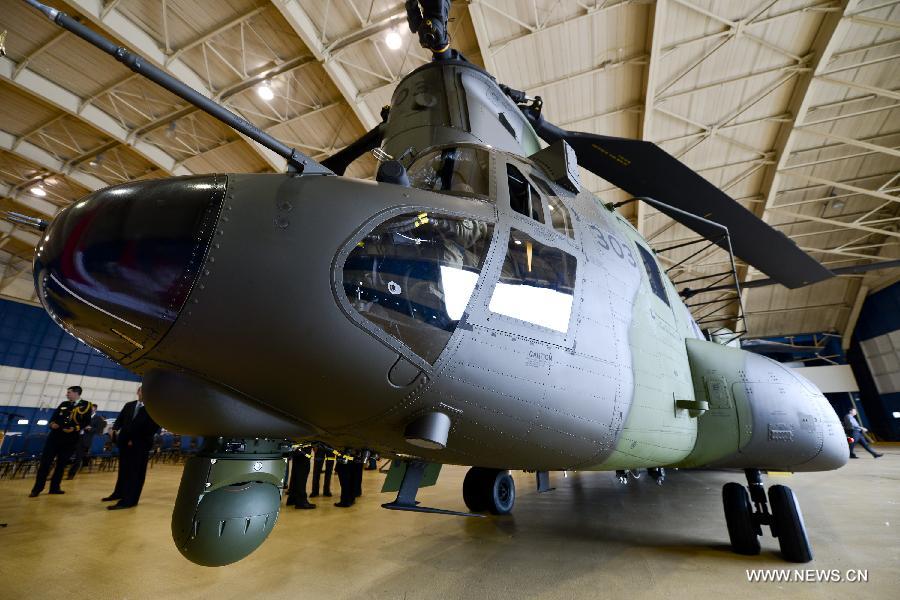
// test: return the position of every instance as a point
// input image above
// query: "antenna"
(297, 161)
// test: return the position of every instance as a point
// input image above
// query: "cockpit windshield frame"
(482, 190)
(339, 274)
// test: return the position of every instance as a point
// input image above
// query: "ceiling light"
(22, 422)
(42, 422)
(393, 40)
(38, 191)
(265, 92)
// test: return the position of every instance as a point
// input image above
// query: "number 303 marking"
(610, 242)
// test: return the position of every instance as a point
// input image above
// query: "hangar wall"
(875, 357)
(38, 361)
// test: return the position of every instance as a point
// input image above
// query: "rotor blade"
(851, 270)
(644, 169)
(339, 161)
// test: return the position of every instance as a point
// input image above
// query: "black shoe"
(877, 455)
(305, 506)
(119, 506)
(56, 492)
(34, 494)
(314, 495)
(343, 504)
(110, 498)
(327, 494)
(853, 456)
(70, 477)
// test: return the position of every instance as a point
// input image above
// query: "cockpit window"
(462, 170)
(537, 283)
(653, 274)
(523, 198)
(559, 214)
(413, 275)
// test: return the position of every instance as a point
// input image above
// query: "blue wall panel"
(880, 315)
(29, 339)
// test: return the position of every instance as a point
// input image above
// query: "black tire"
(475, 492)
(503, 493)
(739, 518)
(788, 525)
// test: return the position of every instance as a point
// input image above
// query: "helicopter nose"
(115, 268)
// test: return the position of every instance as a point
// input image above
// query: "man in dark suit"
(133, 433)
(66, 424)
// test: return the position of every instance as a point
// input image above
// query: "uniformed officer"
(324, 461)
(66, 423)
(300, 456)
(344, 469)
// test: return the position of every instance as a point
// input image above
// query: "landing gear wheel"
(503, 494)
(473, 489)
(788, 525)
(489, 490)
(739, 518)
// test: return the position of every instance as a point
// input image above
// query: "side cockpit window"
(456, 170)
(560, 217)
(523, 198)
(653, 274)
(413, 275)
(537, 283)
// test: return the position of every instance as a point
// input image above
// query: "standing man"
(344, 469)
(133, 433)
(300, 456)
(66, 423)
(98, 424)
(856, 433)
(324, 460)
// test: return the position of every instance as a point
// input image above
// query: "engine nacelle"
(761, 414)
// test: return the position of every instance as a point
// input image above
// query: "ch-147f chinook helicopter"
(474, 305)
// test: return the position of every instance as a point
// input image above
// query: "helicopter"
(473, 305)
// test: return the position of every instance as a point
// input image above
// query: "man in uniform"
(324, 460)
(344, 469)
(857, 434)
(300, 456)
(66, 423)
(98, 424)
(133, 433)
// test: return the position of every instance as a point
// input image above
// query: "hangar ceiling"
(790, 106)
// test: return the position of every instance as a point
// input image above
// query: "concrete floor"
(589, 538)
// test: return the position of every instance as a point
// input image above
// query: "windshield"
(462, 170)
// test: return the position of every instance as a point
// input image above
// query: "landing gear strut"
(746, 515)
(489, 490)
